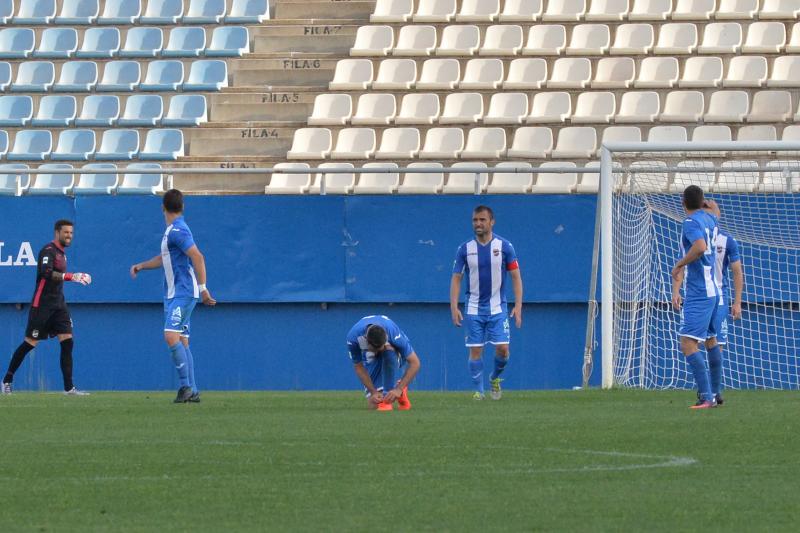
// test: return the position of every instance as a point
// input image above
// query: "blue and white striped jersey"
(485, 267)
(179, 278)
(700, 282)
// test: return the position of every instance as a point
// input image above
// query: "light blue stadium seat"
(3, 142)
(186, 110)
(78, 12)
(74, 145)
(35, 12)
(163, 75)
(142, 110)
(95, 184)
(77, 76)
(34, 77)
(31, 145)
(12, 181)
(229, 41)
(99, 110)
(137, 181)
(142, 42)
(6, 11)
(120, 76)
(53, 182)
(162, 145)
(15, 111)
(162, 12)
(17, 42)
(185, 41)
(55, 110)
(118, 144)
(57, 43)
(99, 42)
(120, 12)
(207, 75)
(204, 12)
(248, 12)
(5, 75)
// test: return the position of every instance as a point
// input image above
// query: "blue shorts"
(383, 370)
(719, 322)
(697, 318)
(177, 312)
(487, 329)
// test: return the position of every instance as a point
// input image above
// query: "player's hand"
(135, 269)
(676, 272)
(207, 298)
(83, 279)
(457, 317)
(736, 311)
(677, 301)
(393, 395)
(376, 397)
(516, 314)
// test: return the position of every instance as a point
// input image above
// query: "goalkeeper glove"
(78, 277)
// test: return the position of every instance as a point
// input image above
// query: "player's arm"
(375, 395)
(46, 271)
(150, 264)
(677, 281)
(695, 252)
(412, 367)
(516, 283)
(455, 288)
(199, 264)
(738, 286)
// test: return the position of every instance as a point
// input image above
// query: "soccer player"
(184, 283)
(49, 315)
(378, 348)
(486, 259)
(702, 294)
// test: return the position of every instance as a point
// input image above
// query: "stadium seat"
(511, 181)
(570, 73)
(374, 109)
(34, 77)
(765, 38)
(442, 143)
(667, 134)
(163, 75)
(459, 41)
(683, 106)
(757, 132)
(589, 40)
(439, 74)
(311, 143)
(354, 143)
(186, 110)
(99, 42)
(31, 145)
(590, 182)
(118, 144)
(74, 145)
(97, 184)
(464, 182)
(248, 12)
(138, 181)
(633, 39)
(721, 38)
(555, 182)
(143, 41)
(422, 183)
(331, 109)
(120, 76)
(657, 181)
(120, 12)
(620, 134)
(351, 74)
(418, 108)
(13, 183)
(614, 73)
(54, 182)
(185, 41)
(526, 73)
(15, 112)
(283, 183)
(399, 143)
(99, 110)
(603, 10)
(57, 43)
(545, 40)
(738, 180)
(435, 11)
(142, 110)
(162, 12)
(727, 106)
(650, 10)
(746, 71)
(507, 108)
(714, 133)
(785, 72)
(478, 11)
(550, 107)
(483, 73)
(701, 72)
(377, 182)
(415, 40)
(204, 12)
(784, 178)
(6, 11)
(531, 142)
(77, 76)
(373, 40)
(564, 10)
(502, 40)
(702, 174)
(576, 141)
(594, 107)
(5, 75)
(678, 38)
(396, 74)
(638, 106)
(693, 9)
(35, 12)
(770, 106)
(205, 75)
(163, 144)
(521, 10)
(793, 46)
(229, 41)
(462, 108)
(736, 9)
(392, 11)
(779, 9)
(335, 183)
(16, 42)
(485, 143)
(55, 110)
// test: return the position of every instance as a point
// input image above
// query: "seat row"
(131, 12)
(14, 181)
(97, 110)
(119, 76)
(574, 10)
(80, 145)
(677, 38)
(140, 41)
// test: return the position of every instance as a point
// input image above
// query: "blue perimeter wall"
(291, 275)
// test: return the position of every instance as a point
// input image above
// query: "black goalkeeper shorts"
(46, 322)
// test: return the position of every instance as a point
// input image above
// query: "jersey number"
(711, 238)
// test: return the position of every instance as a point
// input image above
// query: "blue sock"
(190, 364)
(476, 372)
(389, 370)
(698, 366)
(715, 368)
(178, 354)
(499, 365)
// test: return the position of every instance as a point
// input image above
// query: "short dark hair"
(173, 201)
(484, 208)
(61, 223)
(693, 197)
(376, 336)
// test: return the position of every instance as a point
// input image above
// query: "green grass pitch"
(622, 460)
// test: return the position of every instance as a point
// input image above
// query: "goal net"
(757, 192)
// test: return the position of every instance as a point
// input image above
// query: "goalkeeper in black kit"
(49, 316)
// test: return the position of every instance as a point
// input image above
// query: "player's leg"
(499, 334)
(390, 366)
(34, 330)
(195, 398)
(173, 327)
(718, 338)
(697, 315)
(60, 325)
(374, 366)
(475, 341)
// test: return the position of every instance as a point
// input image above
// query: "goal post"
(757, 185)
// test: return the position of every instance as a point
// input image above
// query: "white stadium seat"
(550, 107)
(310, 143)
(785, 72)
(335, 183)
(418, 108)
(667, 134)
(485, 143)
(531, 142)
(570, 73)
(526, 73)
(770, 106)
(545, 40)
(502, 40)
(281, 183)
(435, 11)
(464, 182)
(442, 74)
(354, 143)
(351, 74)
(462, 108)
(422, 183)
(373, 40)
(442, 143)
(483, 73)
(693, 9)
(717, 132)
(555, 182)
(331, 109)
(638, 106)
(793, 46)
(650, 10)
(374, 109)
(589, 39)
(633, 39)
(736, 9)
(614, 73)
(702, 174)
(377, 182)
(676, 38)
(657, 73)
(683, 106)
(721, 38)
(757, 132)
(415, 40)
(727, 106)
(478, 11)
(576, 141)
(602, 10)
(702, 71)
(396, 74)
(746, 71)
(521, 10)
(765, 37)
(779, 9)
(392, 11)
(737, 180)
(507, 108)
(564, 10)
(399, 143)
(510, 181)
(594, 107)
(459, 41)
